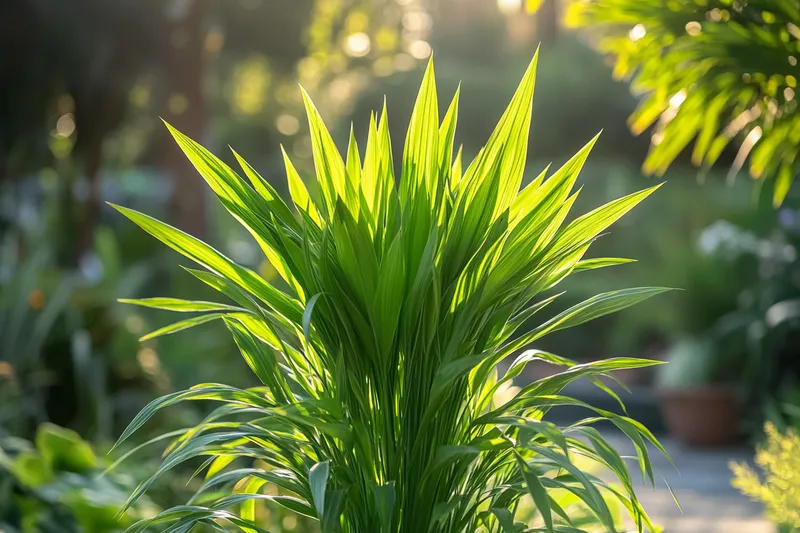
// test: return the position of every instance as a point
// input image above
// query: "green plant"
(710, 71)
(691, 363)
(53, 487)
(380, 408)
(779, 459)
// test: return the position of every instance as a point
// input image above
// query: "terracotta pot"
(702, 416)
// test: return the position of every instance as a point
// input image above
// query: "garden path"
(702, 485)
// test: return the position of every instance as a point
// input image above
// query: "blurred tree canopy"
(711, 71)
(87, 78)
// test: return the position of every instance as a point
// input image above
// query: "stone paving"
(702, 485)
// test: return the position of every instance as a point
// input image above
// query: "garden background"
(85, 84)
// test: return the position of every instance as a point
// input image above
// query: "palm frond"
(709, 72)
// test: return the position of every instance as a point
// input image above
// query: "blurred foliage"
(779, 491)
(710, 71)
(664, 237)
(588, 101)
(751, 337)
(344, 46)
(61, 332)
(53, 486)
(119, 72)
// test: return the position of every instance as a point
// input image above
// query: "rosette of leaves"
(380, 363)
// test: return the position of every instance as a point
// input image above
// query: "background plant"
(779, 490)
(379, 368)
(52, 486)
(58, 361)
(710, 72)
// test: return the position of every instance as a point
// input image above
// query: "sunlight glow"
(509, 6)
(358, 44)
(134, 324)
(744, 150)
(287, 124)
(678, 98)
(420, 49)
(694, 28)
(149, 361)
(250, 85)
(637, 32)
(65, 125)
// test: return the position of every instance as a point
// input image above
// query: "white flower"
(726, 239)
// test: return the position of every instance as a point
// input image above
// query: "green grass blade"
(181, 306)
(206, 256)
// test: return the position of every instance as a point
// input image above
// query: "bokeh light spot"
(509, 6)
(694, 28)
(678, 98)
(149, 361)
(287, 124)
(178, 104)
(65, 126)
(289, 522)
(214, 41)
(420, 49)
(637, 32)
(251, 81)
(358, 44)
(36, 299)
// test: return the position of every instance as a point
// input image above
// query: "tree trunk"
(547, 23)
(187, 112)
(91, 207)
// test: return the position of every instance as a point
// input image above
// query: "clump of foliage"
(710, 71)
(779, 459)
(52, 486)
(380, 367)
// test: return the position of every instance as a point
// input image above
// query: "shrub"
(52, 486)
(779, 459)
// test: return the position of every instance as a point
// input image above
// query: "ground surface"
(702, 485)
